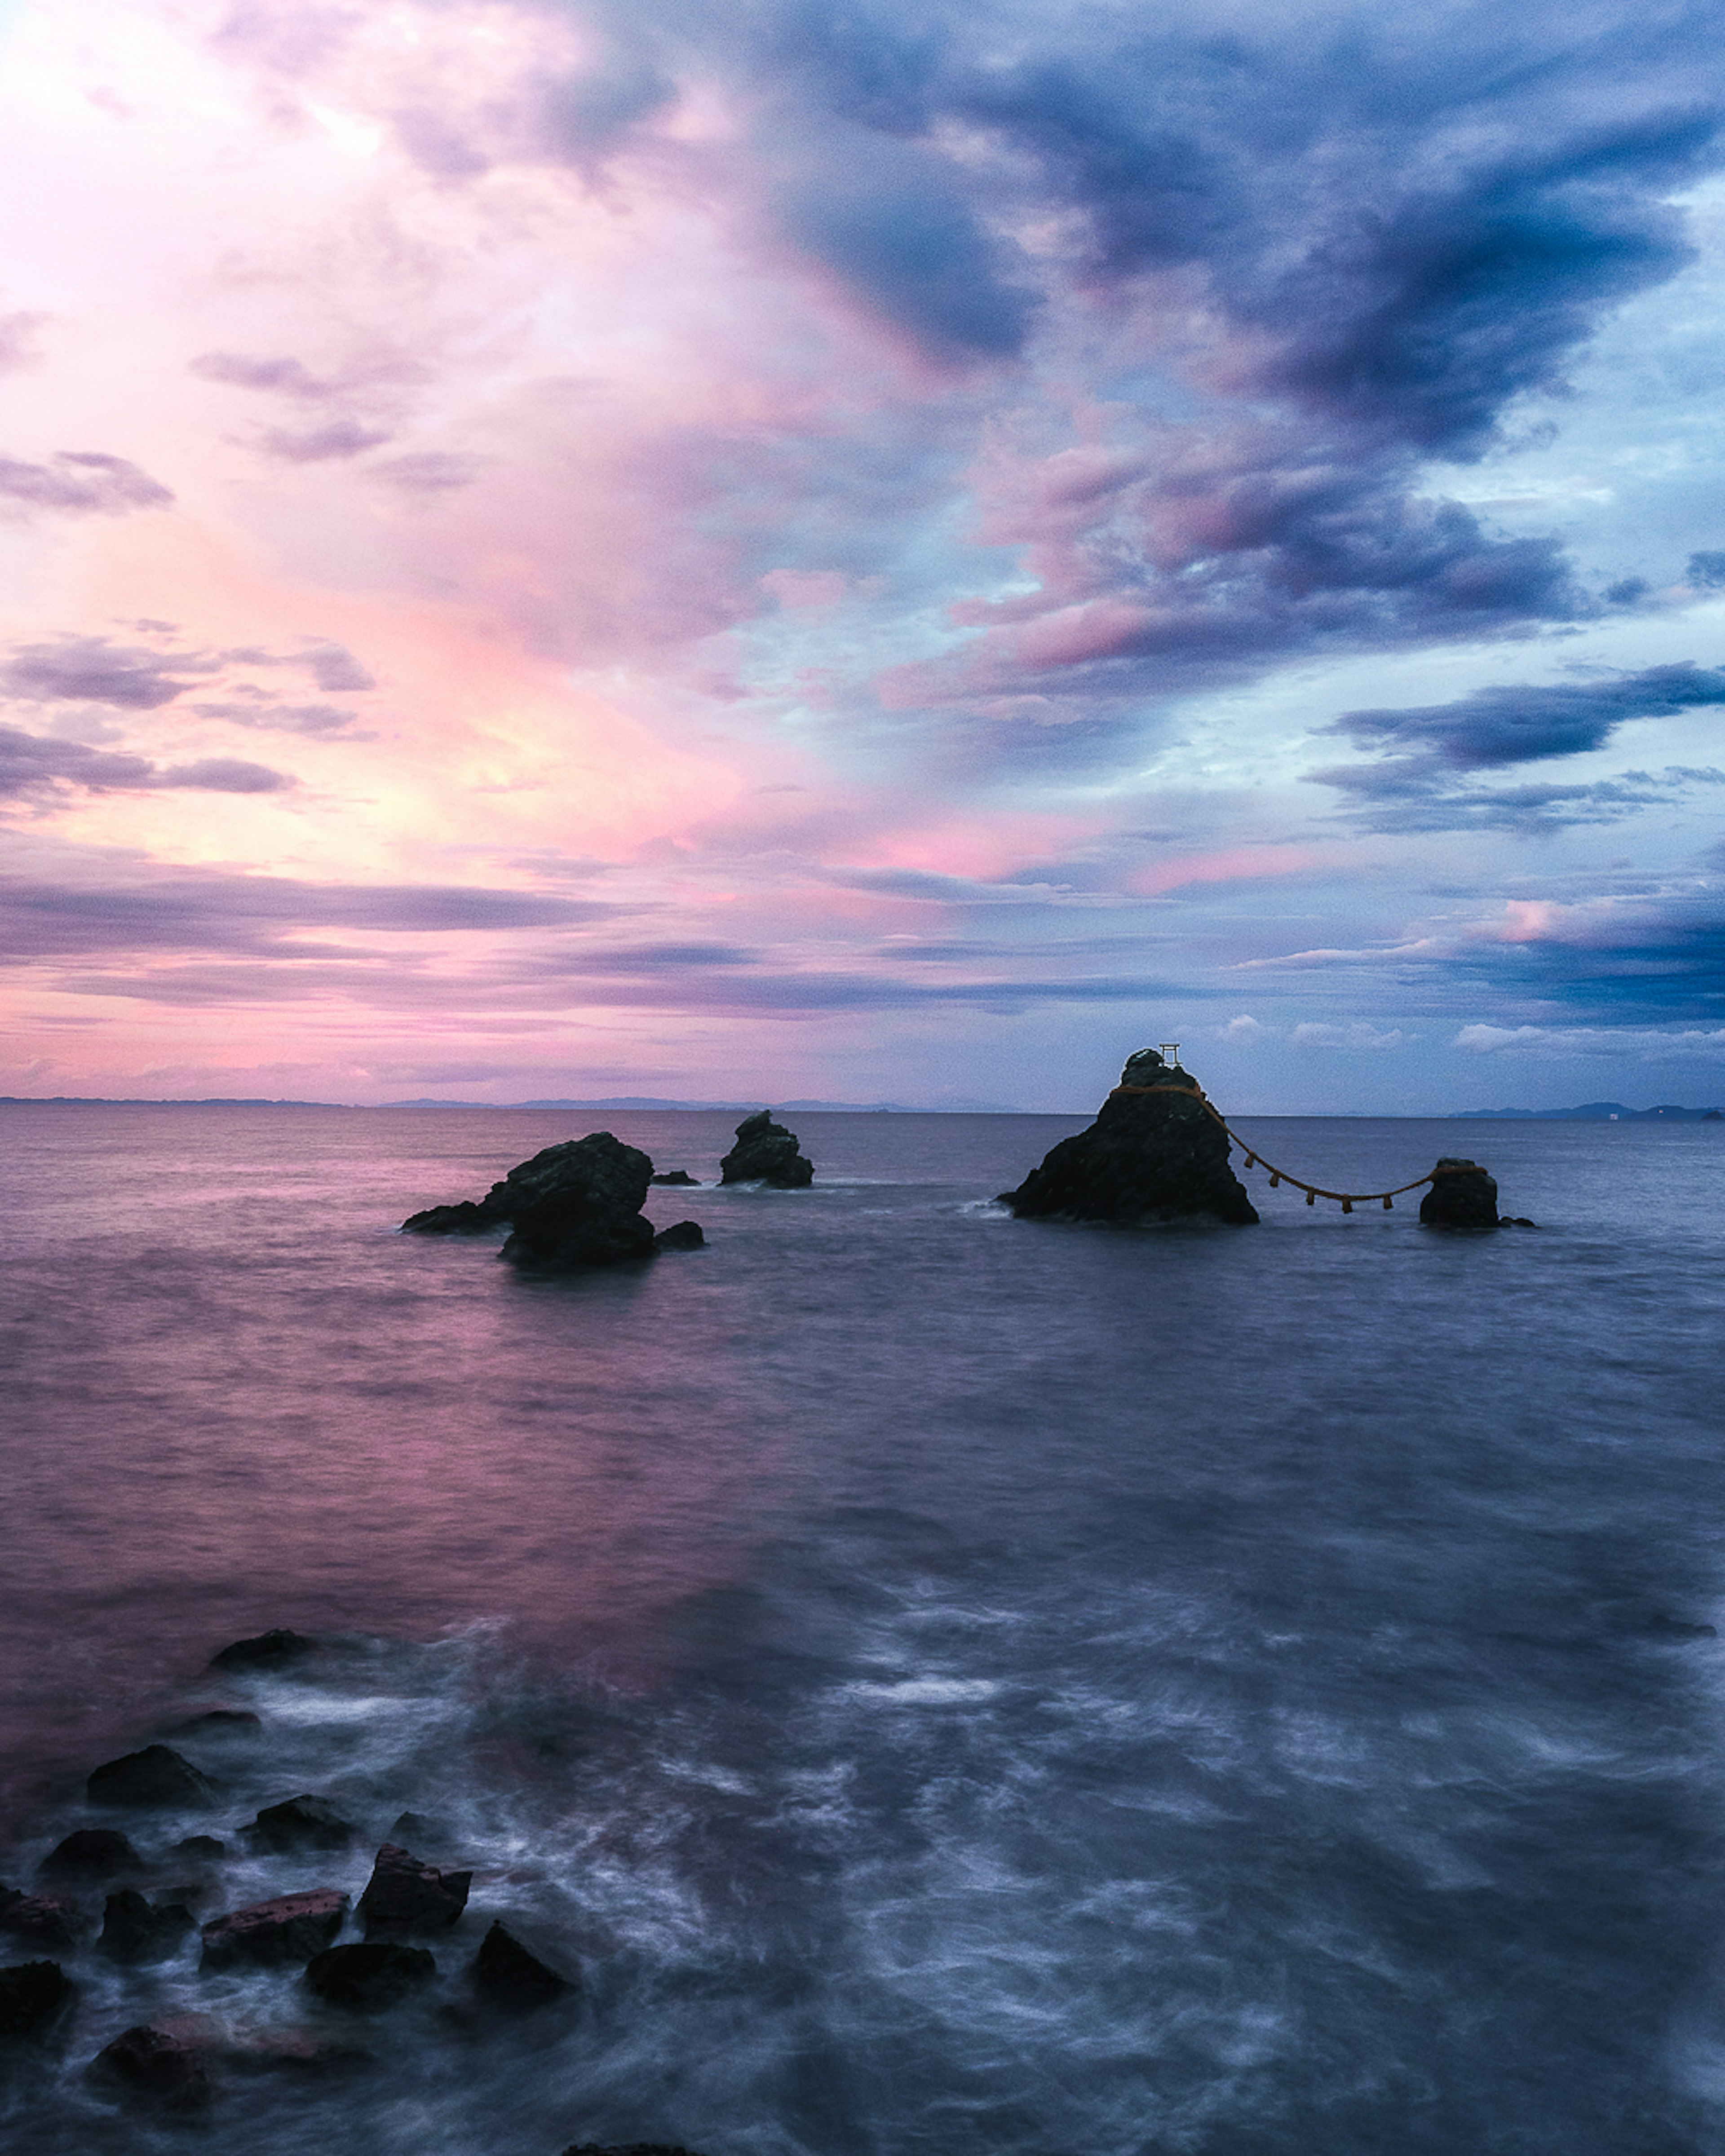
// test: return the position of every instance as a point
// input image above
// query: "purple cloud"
(30, 762)
(83, 481)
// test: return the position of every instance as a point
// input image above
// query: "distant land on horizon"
(1597, 1111)
(1590, 1112)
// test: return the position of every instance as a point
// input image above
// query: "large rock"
(159, 2067)
(90, 1853)
(370, 1978)
(506, 1976)
(572, 1206)
(135, 1931)
(49, 1922)
(33, 1995)
(288, 1928)
(766, 1151)
(299, 1823)
(1462, 1195)
(405, 1895)
(157, 1775)
(1154, 1152)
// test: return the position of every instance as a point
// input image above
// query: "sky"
(862, 551)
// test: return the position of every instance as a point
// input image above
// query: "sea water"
(945, 1684)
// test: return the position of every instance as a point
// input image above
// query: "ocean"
(947, 1685)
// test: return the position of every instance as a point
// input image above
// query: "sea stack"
(572, 1206)
(766, 1151)
(1462, 1195)
(1155, 1153)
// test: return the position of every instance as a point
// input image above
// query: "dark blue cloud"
(1522, 723)
(1416, 794)
(94, 669)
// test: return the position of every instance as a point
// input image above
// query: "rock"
(414, 1826)
(299, 1823)
(583, 1208)
(133, 1931)
(200, 1849)
(366, 1979)
(681, 1235)
(581, 1175)
(1515, 1220)
(33, 1995)
(269, 1650)
(1154, 1152)
(217, 1719)
(766, 1151)
(47, 1922)
(157, 1775)
(504, 1975)
(157, 2066)
(289, 1927)
(405, 1895)
(679, 1175)
(92, 1852)
(1462, 1195)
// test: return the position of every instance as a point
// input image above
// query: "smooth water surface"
(953, 1685)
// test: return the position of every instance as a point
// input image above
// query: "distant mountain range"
(1591, 1111)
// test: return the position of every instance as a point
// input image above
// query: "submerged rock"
(91, 1852)
(45, 1921)
(405, 1895)
(1462, 1195)
(157, 1775)
(33, 1995)
(681, 1235)
(289, 1927)
(299, 1823)
(135, 1931)
(158, 2066)
(1154, 1152)
(200, 1849)
(766, 1151)
(368, 1979)
(267, 1650)
(572, 1206)
(505, 1975)
(214, 1720)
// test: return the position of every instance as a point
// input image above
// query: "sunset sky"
(867, 552)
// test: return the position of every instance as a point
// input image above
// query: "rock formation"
(506, 1976)
(300, 1822)
(135, 1931)
(90, 1853)
(405, 1895)
(368, 1979)
(766, 1151)
(269, 1650)
(157, 2066)
(1154, 1152)
(1462, 1195)
(571, 1207)
(33, 1995)
(49, 1922)
(157, 1775)
(289, 1927)
(679, 1176)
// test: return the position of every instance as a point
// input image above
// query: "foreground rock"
(272, 1934)
(299, 1823)
(273, 1649)
(766, 1151)
(157, 1775)
(571, 1207)
(370, 1978)
(405, 1896)
(45, 1921)
(1462, 1195)
(156, 2067)
(135, 1931)
(33, 1995)
(1153, 1153)
(92, 1852)
(506, 1976)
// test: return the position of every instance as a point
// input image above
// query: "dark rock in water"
(366, 1979)
(1154, 1152)
(464, 1219)
(1515, 1220)
(289, 1928)
(414, 1826)
(584, 1208)
(679, 1176)
(33, 1995)
(505, 1975)
(46, 1922)
(766, 1151)
(269, 1650)
(214, 1721)
(1462, 1195)
(155, 2065)
(200, 1849)
(681, 1235)
(92, 1852)
(407, 1896)
(157, 1775)
(299, 1823)
(135, 1932)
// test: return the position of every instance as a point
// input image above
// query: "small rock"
(1462, 1195)
(299, 1823)
(45, 1921)
(414, 1826)
(368, 1979)
(214, 1720)
(92, 1852)
(405, 1896)
(681, 1235)
(464, 1219)
(504, 1975)
(155, 2065)
(200, 1849)
(766, 1151)
(267, 1650)
(288, 1928)
(679, 1176)
(33, 1995)
(134, 1932)
(157, 1775)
